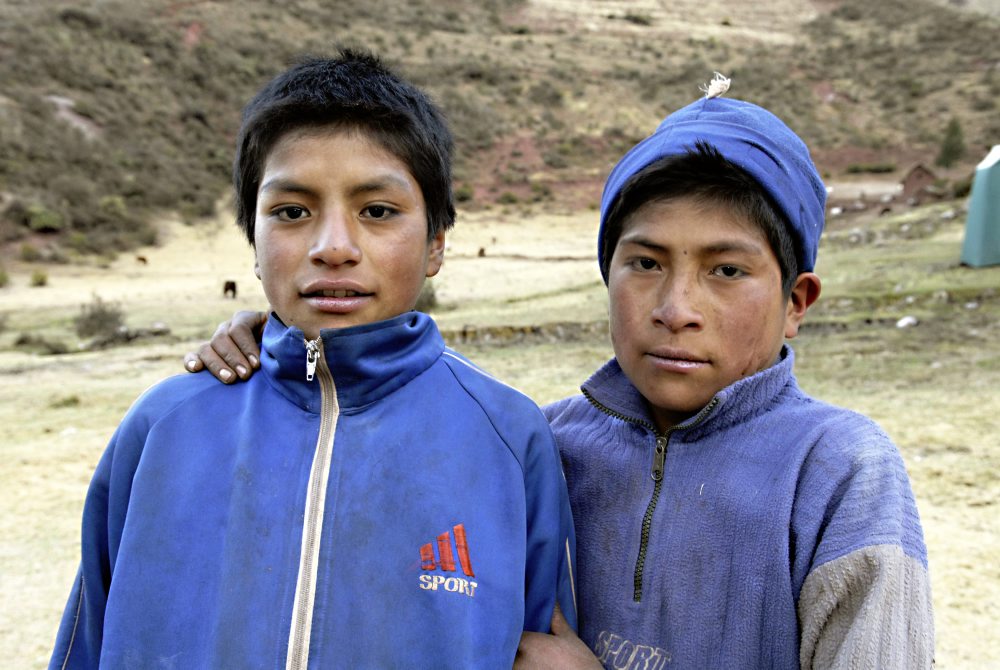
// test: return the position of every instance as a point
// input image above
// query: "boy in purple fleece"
(724, 518)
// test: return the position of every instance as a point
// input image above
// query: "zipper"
(312, 357)
(312, 527)
(656, 473)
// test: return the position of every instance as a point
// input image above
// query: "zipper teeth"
(647, 519)
(298, 644)
(617, 415)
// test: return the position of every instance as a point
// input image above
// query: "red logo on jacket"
(446, 563)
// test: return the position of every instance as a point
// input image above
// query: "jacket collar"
(368, 362)
(612, 392)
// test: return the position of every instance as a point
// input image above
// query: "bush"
(639, 19)
(962, 187)
(952, 145)
(30, 253)
(540, 192)
(874, 168)
(4, 277)
(99, 318)
(464, 193)
(40, 344)
(39, 278)
(43, 220)
(65, 401)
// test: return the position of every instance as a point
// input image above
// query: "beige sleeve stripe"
(868, 609)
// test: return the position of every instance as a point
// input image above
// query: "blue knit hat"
(752, 138)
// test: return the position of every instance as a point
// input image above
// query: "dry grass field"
(932, 386)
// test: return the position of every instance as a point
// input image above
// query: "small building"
(982, 225)
(919, 181)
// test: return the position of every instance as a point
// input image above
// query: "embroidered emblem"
(614, 651)
(445, 562)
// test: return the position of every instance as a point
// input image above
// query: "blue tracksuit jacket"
(400, 509)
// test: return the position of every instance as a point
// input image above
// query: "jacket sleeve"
(551, 544)
(81, 631)
(865, 601)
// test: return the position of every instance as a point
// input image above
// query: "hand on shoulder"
(233, 353)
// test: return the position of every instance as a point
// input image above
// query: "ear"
(435, 254)
(804, 294)
(256, 267)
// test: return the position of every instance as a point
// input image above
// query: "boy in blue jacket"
(370, 499)
(724, 518)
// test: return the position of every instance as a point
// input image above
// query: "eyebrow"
(642, 242)
(730, 246)
(285, 186)
(380, 183)
(714, 249)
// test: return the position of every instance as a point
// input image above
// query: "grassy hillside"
(112, 111)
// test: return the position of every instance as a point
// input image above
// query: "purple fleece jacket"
(783, 533)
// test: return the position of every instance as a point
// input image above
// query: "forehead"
(688, 219)
(377, 145)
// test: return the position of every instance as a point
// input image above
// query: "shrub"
(40, 344)
(962, 187)
(43, 220)
(507, 198)
(99, 318)
(540, 192)
(639, 19)
(952, 145)
(464, 193)
(65, 401)
(874, 168)
(30, 253)
(4, 277)
(39, 278)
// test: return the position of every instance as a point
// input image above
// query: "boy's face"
(696, 304)
(340, 231)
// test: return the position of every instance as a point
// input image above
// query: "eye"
(377, 212)
(291, 213)
(728, 271)
(645, 263)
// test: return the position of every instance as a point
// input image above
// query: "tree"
(952, 145)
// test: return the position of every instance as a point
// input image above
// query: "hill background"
(112, 112)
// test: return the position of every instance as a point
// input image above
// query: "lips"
(677, 360)
(339, 293)
(336, 297)
(338, 288)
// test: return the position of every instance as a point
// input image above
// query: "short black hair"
(704, 174)
(353, 90)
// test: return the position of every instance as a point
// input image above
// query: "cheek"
(753, 336)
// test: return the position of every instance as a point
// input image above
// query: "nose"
(335, 240)
(678, 306)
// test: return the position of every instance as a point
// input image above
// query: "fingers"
(223, 352)
(559, 624)
(244, 333)
(206, 358)
(233, 352)
(192, 362)
(527, 650)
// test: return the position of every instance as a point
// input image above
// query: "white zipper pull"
(312, 357)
